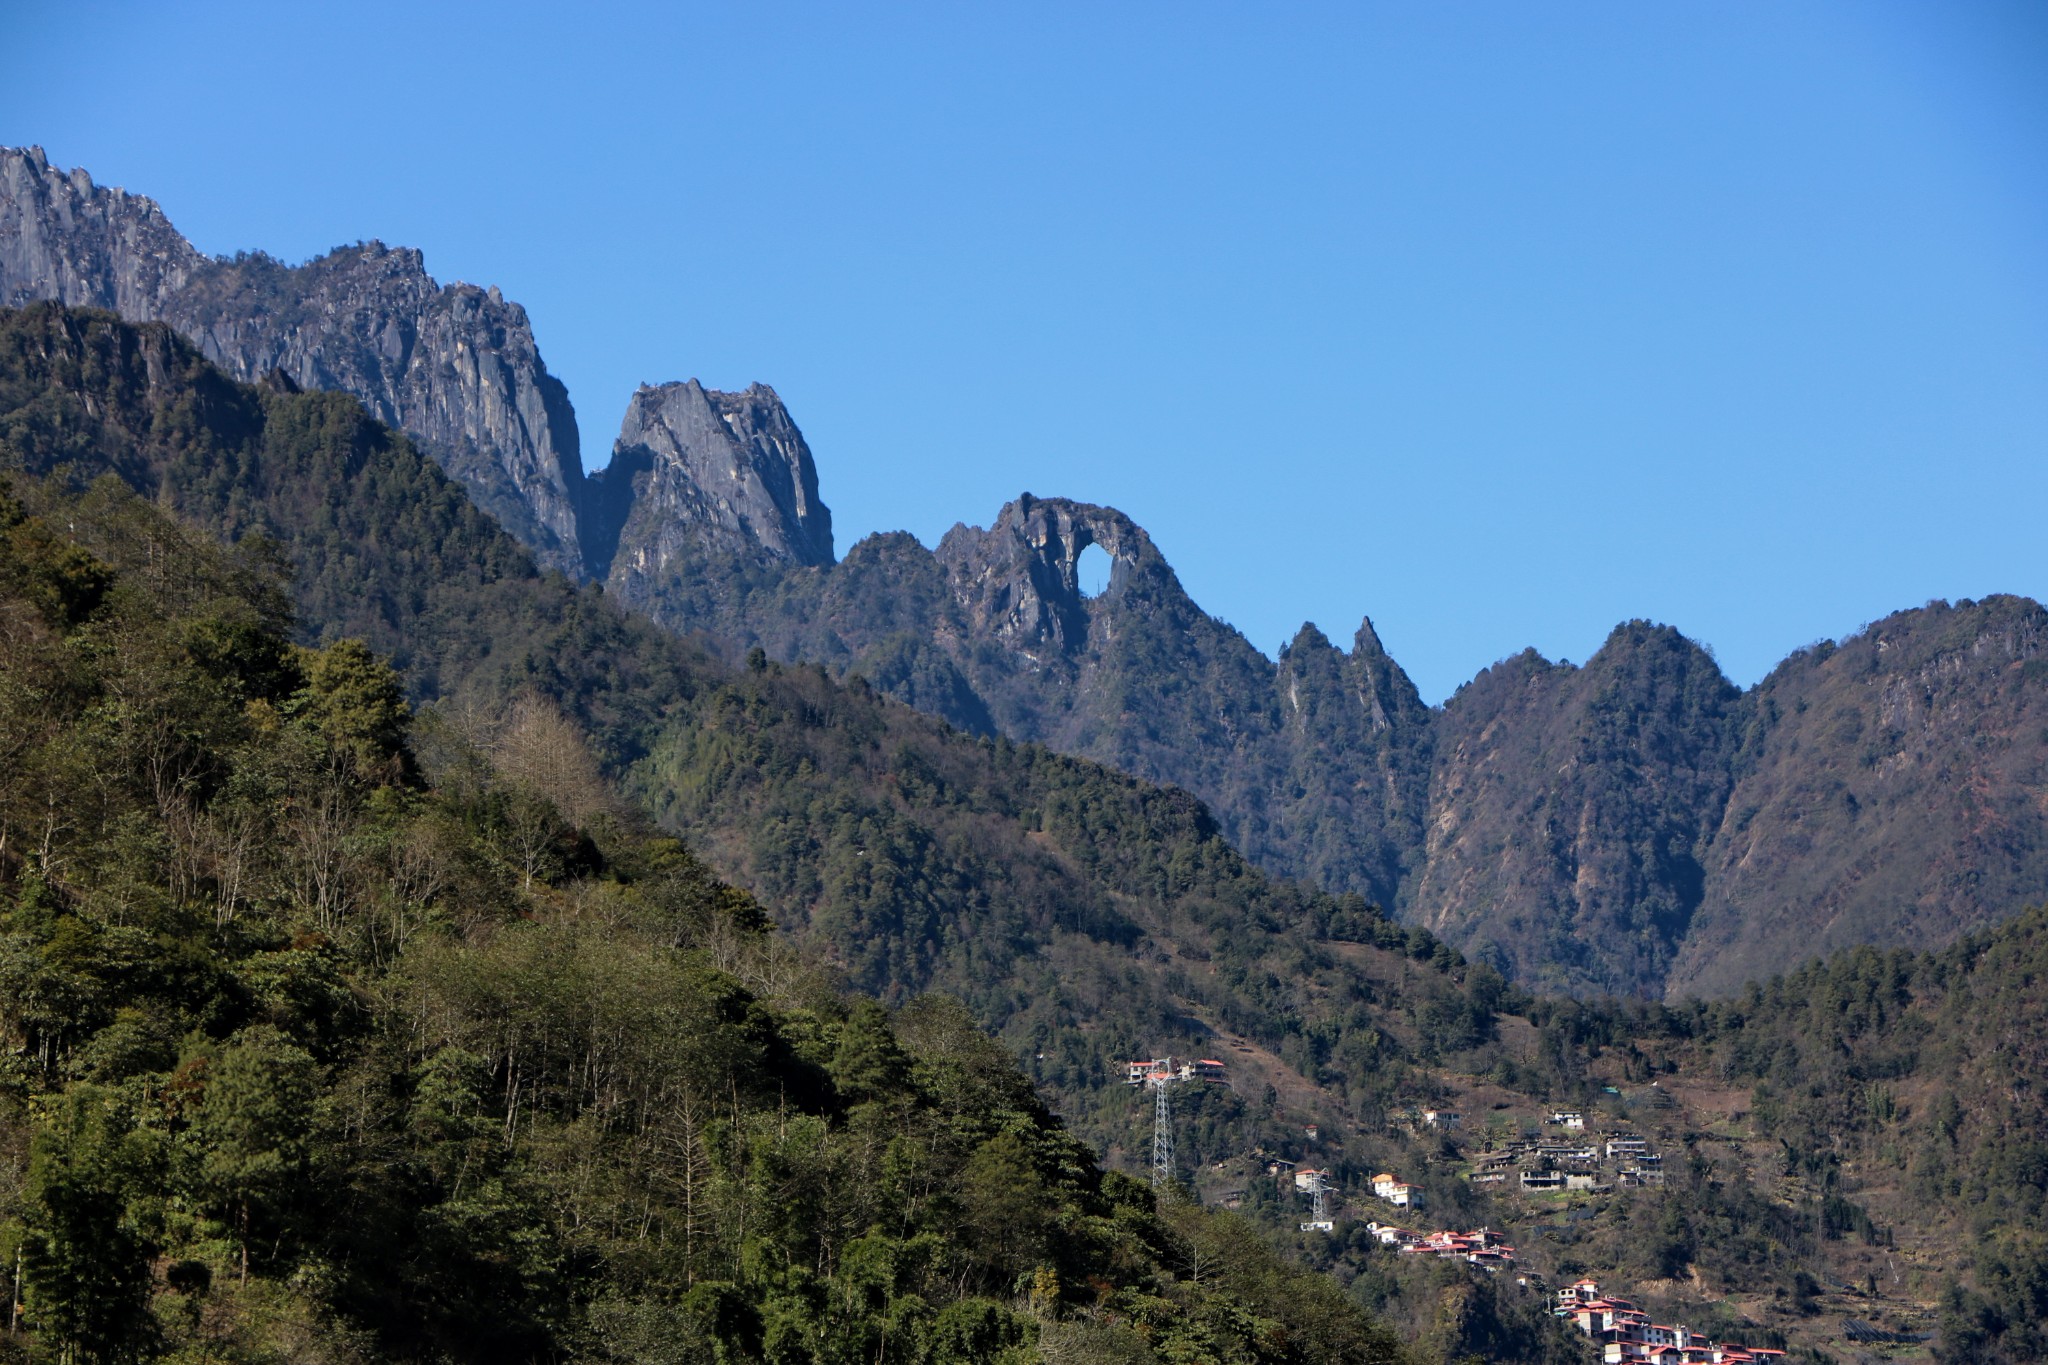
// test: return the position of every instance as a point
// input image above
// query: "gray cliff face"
(63, 238)
(696, 471)
(456, 367)
(1018, 582)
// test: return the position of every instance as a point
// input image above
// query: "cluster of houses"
(1317, 1185)
(1483, 1248)
(1572, 1163)
(1628, 1337)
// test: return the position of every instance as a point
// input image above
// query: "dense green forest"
(336, 1036)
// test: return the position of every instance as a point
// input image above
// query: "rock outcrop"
(65, 239)
(454, 366)
(1019, 582)
(1569, 810)
(1890, 789)
(697, 470)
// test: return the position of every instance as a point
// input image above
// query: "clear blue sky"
(1501, 323)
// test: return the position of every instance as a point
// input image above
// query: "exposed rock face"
(456, 367)
(1891, 789)
(1350, 806)
(1018, 581)
(65, 239)
(1569, 810)
(696, 470)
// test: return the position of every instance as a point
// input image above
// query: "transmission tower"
(1162, 1134)
(1319, 1207)
(1160, 1075)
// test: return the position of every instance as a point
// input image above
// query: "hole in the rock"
(1091, 571)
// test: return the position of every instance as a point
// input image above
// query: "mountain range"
(496, 931)
(1633, 825)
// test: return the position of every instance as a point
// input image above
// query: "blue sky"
(1499, 323)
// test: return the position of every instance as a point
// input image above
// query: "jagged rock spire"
(454, 366)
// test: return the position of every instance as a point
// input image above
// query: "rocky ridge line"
(1636, 825)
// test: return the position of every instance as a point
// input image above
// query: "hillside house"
(1633, 1352)
(1395, 1191)
(1443, 1120)
(1627, 1145)
(1569, 1119)
(1542, 1180)
(1596, 1316)
(1482, 1247)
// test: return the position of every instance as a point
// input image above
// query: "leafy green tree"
(868, 1063)
(354, 701)
(85, 1260)
(253, 1134)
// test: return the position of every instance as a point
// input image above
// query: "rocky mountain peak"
(455, 367)
(65, 239)
(1308, 640)
(697, 469)
(1019, 579)
(1367, 641)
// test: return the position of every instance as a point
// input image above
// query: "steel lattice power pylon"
(1162, 1135)
(1160, 1075)
(1318, 1188)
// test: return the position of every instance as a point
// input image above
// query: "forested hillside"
(1082, 915)
(1913, 1084)
(330, 1037)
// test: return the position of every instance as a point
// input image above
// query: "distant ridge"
(1636, 825)
(455, 366)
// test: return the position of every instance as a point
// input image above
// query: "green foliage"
(1834, 1048)
(353, 701)
(84, 1257)
(312, 1062)
(913, 856)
